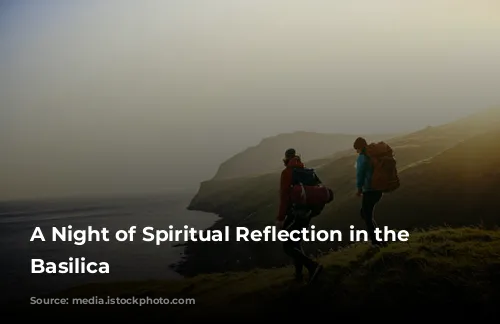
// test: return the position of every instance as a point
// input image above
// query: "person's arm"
(360, 172)
(285, 183)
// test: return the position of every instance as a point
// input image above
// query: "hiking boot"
(313, 275)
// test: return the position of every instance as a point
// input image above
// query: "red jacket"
(285, 186)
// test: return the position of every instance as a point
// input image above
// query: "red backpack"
(308, 190)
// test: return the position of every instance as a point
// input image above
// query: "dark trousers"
(368, 202)
(297, 220)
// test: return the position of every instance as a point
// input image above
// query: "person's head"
(359, 144)
(289, 154)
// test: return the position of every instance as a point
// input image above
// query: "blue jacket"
(364, 173)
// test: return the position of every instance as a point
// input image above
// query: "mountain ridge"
(253, 201)
(266, 156)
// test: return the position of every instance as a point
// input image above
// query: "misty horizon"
(128, 96)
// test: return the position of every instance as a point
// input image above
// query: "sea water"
(136, 260)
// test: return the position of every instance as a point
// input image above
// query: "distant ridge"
(266, 156)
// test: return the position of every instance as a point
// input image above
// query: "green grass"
(436, 273)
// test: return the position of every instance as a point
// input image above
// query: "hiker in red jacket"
(290, 219)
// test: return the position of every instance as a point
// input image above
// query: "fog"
(130, 96)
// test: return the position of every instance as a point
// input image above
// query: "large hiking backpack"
(385, 174)
(307, 189)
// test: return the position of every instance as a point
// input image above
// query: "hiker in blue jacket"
(369, 196)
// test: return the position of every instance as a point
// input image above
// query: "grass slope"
(457, 186)
(223, 195)
(449, 175)
(443, 273)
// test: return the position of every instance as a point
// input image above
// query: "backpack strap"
(303, 195)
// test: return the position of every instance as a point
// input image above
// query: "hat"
(290, 153)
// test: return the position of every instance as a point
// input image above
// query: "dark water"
(135, 260)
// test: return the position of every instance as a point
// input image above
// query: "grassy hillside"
(219, 194)
(444, 273)
(266, 156)
(448, 174)
(457, 186)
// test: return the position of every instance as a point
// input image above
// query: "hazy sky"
(141, 95)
